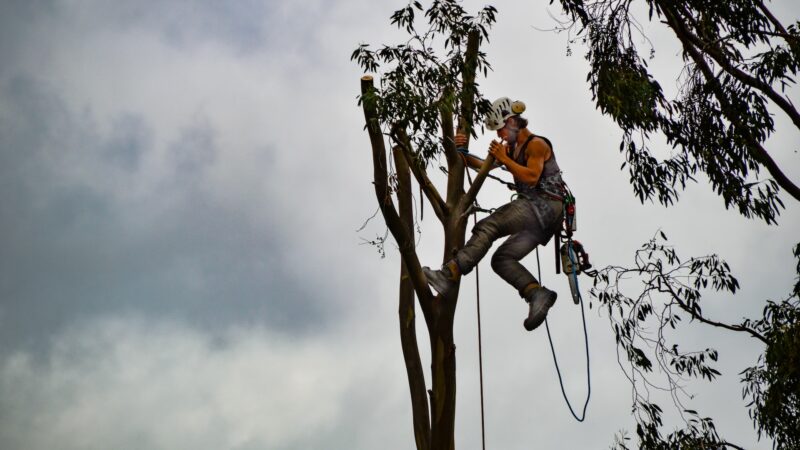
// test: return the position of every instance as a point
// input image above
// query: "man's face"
(509, 131)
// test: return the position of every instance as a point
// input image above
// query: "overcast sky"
(180, 188)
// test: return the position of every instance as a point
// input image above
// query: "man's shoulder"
(542, 139)
(539, 146)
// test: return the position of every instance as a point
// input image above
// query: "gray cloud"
(244, 27)
(147, 384)
(180, 185)
(74, 247)
(131, 187)
(130, 138)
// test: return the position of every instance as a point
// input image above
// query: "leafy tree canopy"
(647, 324)
(424, 75)
(739, 60)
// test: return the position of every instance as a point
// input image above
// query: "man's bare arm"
(537, 151)
(471, 160)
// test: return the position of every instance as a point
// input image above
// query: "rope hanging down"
(478, 306)
(585, 336)
(480, 347)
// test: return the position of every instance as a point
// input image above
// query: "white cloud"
(135, 383)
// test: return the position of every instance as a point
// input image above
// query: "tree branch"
(728, 444)
(408, 332)
(404, 143)
(448, 131)
(699, 317)
(716, 53)
(468, 84)
(405, 241)
(455, 164)
(755, 147)
(790, 39)
(477, 183)
(465, 120)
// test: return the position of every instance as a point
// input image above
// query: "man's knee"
(499, 260)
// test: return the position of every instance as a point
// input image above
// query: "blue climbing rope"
(585, 336)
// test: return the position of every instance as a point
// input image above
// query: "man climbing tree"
(531, 219)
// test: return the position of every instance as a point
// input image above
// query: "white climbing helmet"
(502, 109)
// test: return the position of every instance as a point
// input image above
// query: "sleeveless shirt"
(549, 188)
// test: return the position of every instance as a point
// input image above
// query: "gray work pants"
(526, 227)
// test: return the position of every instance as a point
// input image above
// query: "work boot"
(444, 279)
(540, 300)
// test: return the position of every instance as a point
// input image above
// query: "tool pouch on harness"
(571, 254)
(568, 226)
(570, 223)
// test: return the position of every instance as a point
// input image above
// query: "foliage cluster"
(773, 384)
(738, 59)
(419, 83)
(643, 327)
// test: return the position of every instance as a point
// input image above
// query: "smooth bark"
(406, 315)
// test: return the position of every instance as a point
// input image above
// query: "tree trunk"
(443, 389)
(434, 419)
(406, 313)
